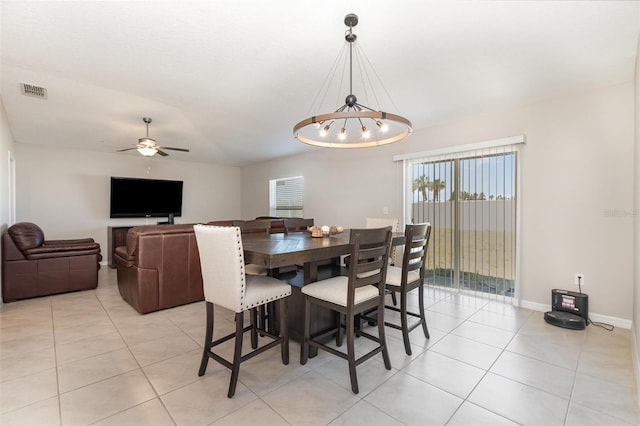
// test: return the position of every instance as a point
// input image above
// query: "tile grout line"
(55, 359)
(139, 367)
(486, 372)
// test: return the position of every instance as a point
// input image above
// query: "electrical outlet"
(578, 279)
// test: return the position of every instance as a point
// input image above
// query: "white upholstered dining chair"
(227, 285)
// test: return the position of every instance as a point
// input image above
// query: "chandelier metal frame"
(387, 127)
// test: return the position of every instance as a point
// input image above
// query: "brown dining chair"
(409, 276)
(296, 224)
(394, 223)
(258, 226)
(293, 225)
(226, 284)
(362, 290)
(395, 252)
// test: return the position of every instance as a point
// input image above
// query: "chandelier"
(353, 125)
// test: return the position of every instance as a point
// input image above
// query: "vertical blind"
(286, 197)
(470, 198)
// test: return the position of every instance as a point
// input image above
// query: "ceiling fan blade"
(164, 154)
(126, 149)
(175, 149)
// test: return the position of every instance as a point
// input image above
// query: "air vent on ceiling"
(33, 91)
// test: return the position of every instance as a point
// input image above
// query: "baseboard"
(636, 361)
(595, 317)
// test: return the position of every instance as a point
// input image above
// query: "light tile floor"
(89, 358)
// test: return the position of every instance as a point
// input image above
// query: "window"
(470, 198)
(286, 197)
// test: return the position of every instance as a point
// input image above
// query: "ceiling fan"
(148, 147)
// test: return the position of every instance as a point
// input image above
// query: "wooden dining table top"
(278, 250)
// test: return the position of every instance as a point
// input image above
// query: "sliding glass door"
(470, 200)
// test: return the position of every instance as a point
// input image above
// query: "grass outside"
(487, 260)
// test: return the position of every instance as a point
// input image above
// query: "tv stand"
(169, 221)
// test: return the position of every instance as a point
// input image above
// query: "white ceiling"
(228, 79)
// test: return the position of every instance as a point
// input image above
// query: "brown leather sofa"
(33, 266)
(159, 267)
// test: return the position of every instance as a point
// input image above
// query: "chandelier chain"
(364, 54)
(326, 83)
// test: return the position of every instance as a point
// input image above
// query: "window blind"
(286, 197)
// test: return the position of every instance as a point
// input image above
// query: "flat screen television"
(133, 197)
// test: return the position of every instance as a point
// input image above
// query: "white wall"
(341, 187)
(577, 180)
(66, 191)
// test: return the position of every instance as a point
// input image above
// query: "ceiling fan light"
(148, 147)
(147, 151)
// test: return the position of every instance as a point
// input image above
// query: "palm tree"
(436, 186)
(422, 184)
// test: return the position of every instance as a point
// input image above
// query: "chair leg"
(237, 354)
(403, 322)
(263, 319)
(207, 339)
(351, 353)
(383, 337)
(340, 333)
(393, 298)
(357, 322)
(254, 327)
(284, 331)
(304, 347)
(425, 329)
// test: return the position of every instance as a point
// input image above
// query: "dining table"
(314, 254)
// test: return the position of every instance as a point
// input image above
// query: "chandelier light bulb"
(382, 126)
(325, 130)
(343, 134)
(365, 133)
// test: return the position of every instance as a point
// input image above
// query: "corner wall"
(636, 229)
(6, 147)
(577, 179)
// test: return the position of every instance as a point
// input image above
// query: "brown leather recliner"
(159, 267)
(33, 266)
